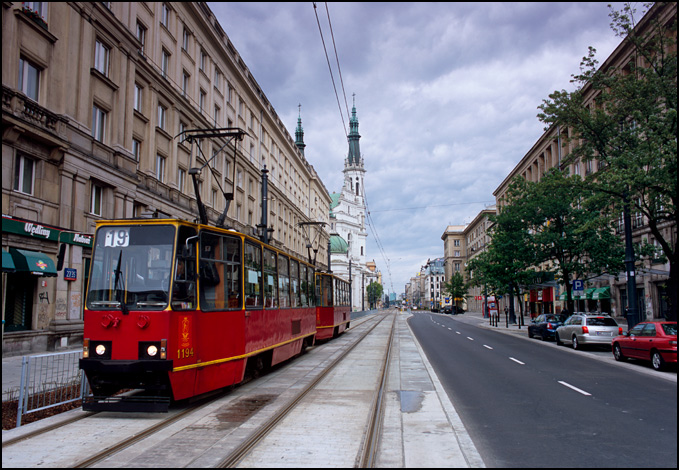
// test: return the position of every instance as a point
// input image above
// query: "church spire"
(354, 148)
(299, 132)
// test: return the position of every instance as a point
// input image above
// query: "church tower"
(348, 218)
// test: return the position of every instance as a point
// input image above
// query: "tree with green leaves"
(567, 227)
(625, 117)
(455, 288)
(374, 291)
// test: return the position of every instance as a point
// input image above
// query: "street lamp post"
(632, 307)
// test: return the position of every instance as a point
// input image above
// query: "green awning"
(33, 262)
(601, 293)
(7, 263)
(587, 295)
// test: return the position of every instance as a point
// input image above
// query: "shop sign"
(70, 274)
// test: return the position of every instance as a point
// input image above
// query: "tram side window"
(310, 287)
(304, 289)
(283, 282)
(294, 284)
(270, 280)
(184, 286)
(253, 275)
(220, 260)
(327, 290)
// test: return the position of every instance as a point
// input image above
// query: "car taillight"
(585, 330)
(550, 326)
(673, 343)
(620, 330)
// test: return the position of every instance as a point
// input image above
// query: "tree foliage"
(625, 117)
(374, 291)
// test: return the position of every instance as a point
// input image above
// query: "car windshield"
(601, 321)
(670, 328)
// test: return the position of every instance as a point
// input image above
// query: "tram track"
(371, 437)
(138, 432)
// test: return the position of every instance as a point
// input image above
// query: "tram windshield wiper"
(120, 292)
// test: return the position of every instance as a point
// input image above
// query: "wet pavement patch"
(411, 402)
(243, 409)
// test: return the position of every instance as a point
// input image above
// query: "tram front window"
(131, 267)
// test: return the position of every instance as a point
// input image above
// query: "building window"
(137, 97)
(181, 179)
(101, 53)
(160, 168)
(141, 36)
(161, 116)
(95, 201)
(203, 60)
(29, 79)
(185, 84)
(165, 16)
(24, 170)
(136, 149)
(165, 63)
(216, 114)
(201, 101)
(98, 123)
(218, 78)
(185, 39)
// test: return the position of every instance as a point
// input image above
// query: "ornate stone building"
(95, 98)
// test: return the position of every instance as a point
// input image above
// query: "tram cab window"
(270, 279)
(326, 282)
(283, 281)
(219, 271)
(252, 263)
(184, 284)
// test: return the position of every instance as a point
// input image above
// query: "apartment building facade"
(98, 99)
(607, 293)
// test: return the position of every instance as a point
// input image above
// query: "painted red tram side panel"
(333, 310)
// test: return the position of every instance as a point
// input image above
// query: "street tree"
(374, 291)
(624, 116)
(455, 288)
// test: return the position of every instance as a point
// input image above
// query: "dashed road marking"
(517, 361)
(566, 384)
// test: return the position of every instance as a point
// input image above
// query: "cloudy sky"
(446, 98)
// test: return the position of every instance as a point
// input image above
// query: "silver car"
(587, 328)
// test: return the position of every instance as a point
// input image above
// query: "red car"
(650, 341)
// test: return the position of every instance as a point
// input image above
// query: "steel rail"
(244, 448)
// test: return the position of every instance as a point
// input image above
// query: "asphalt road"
(526, 404)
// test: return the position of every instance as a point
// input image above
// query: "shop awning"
(38, 264)
(7, 263)
(587, 295)
(601, 293)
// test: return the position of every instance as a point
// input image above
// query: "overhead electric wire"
(339, 69)
(330, 69)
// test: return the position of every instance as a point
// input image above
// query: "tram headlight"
(152, 351)
(100, 349)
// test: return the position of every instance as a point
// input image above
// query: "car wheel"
(530, 333)
(576, 345)
(657, 360)
(617, 353)
(557, 339)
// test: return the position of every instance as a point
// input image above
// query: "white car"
(586, 329)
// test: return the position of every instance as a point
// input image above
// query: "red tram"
(179, 309)
(333, 310)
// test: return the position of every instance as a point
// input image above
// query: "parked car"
(588, 329)
(649, 341)
(544, 326)
(452, 309)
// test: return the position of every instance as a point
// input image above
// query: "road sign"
(578, 287)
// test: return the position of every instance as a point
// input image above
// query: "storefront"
(541, 301)
(42, 302)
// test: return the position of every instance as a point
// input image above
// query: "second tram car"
(333, 308)
(179, 309)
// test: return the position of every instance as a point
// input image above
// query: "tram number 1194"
(184, 353)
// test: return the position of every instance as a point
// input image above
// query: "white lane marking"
(517, 361)
(566, 384)
(487, 347)
(458, 332)
(470, 339)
